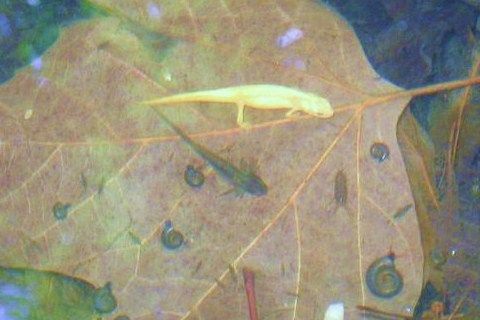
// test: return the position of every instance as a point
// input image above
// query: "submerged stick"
(249, 280)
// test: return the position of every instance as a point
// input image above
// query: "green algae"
(27, 31)
(38, 295)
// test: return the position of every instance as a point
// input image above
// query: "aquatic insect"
(193, 177)
(402, 211)
(379, 151)
(242, 180)
(383, 280)
(340, 189)
(60, 210)
(171, 238)
(33, 294)
(259, 96)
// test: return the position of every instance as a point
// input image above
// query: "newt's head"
(317, 106)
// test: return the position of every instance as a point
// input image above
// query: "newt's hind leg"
(291, 113)
(240, 116)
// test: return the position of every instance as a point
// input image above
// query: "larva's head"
(317, 106)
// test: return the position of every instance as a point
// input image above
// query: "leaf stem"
(444, 86)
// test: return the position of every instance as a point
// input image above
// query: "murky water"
(411, 43)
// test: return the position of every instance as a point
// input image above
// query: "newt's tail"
(218, 95)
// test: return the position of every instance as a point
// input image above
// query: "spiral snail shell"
(379, 151)
(171, 238)
(383, 280)
(193, 177)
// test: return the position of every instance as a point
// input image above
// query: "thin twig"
(402, 316)
(249, 280)
(390, 314)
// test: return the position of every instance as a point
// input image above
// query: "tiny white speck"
(66, 238)
(33, 3)
(41, 81)
(28, 114)
(167, 76)
(296, 63)
(290, 36)
(37, 63)
(335, 311)
(453, 252)
(154, 11)
(409, 309)
(299, 64)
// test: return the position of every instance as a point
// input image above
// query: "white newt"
(259, 96)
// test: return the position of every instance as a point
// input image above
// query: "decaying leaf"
(87, 133)
(442, 173)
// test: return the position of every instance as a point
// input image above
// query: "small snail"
(379, 151)
(383, 280)
(171, 238)
(193, 177)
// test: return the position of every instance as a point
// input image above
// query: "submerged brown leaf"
(88, 143)
(434, 164)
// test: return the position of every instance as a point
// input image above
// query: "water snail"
(171, 238)
(383, 280)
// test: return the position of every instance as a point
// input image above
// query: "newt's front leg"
(240, 116)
